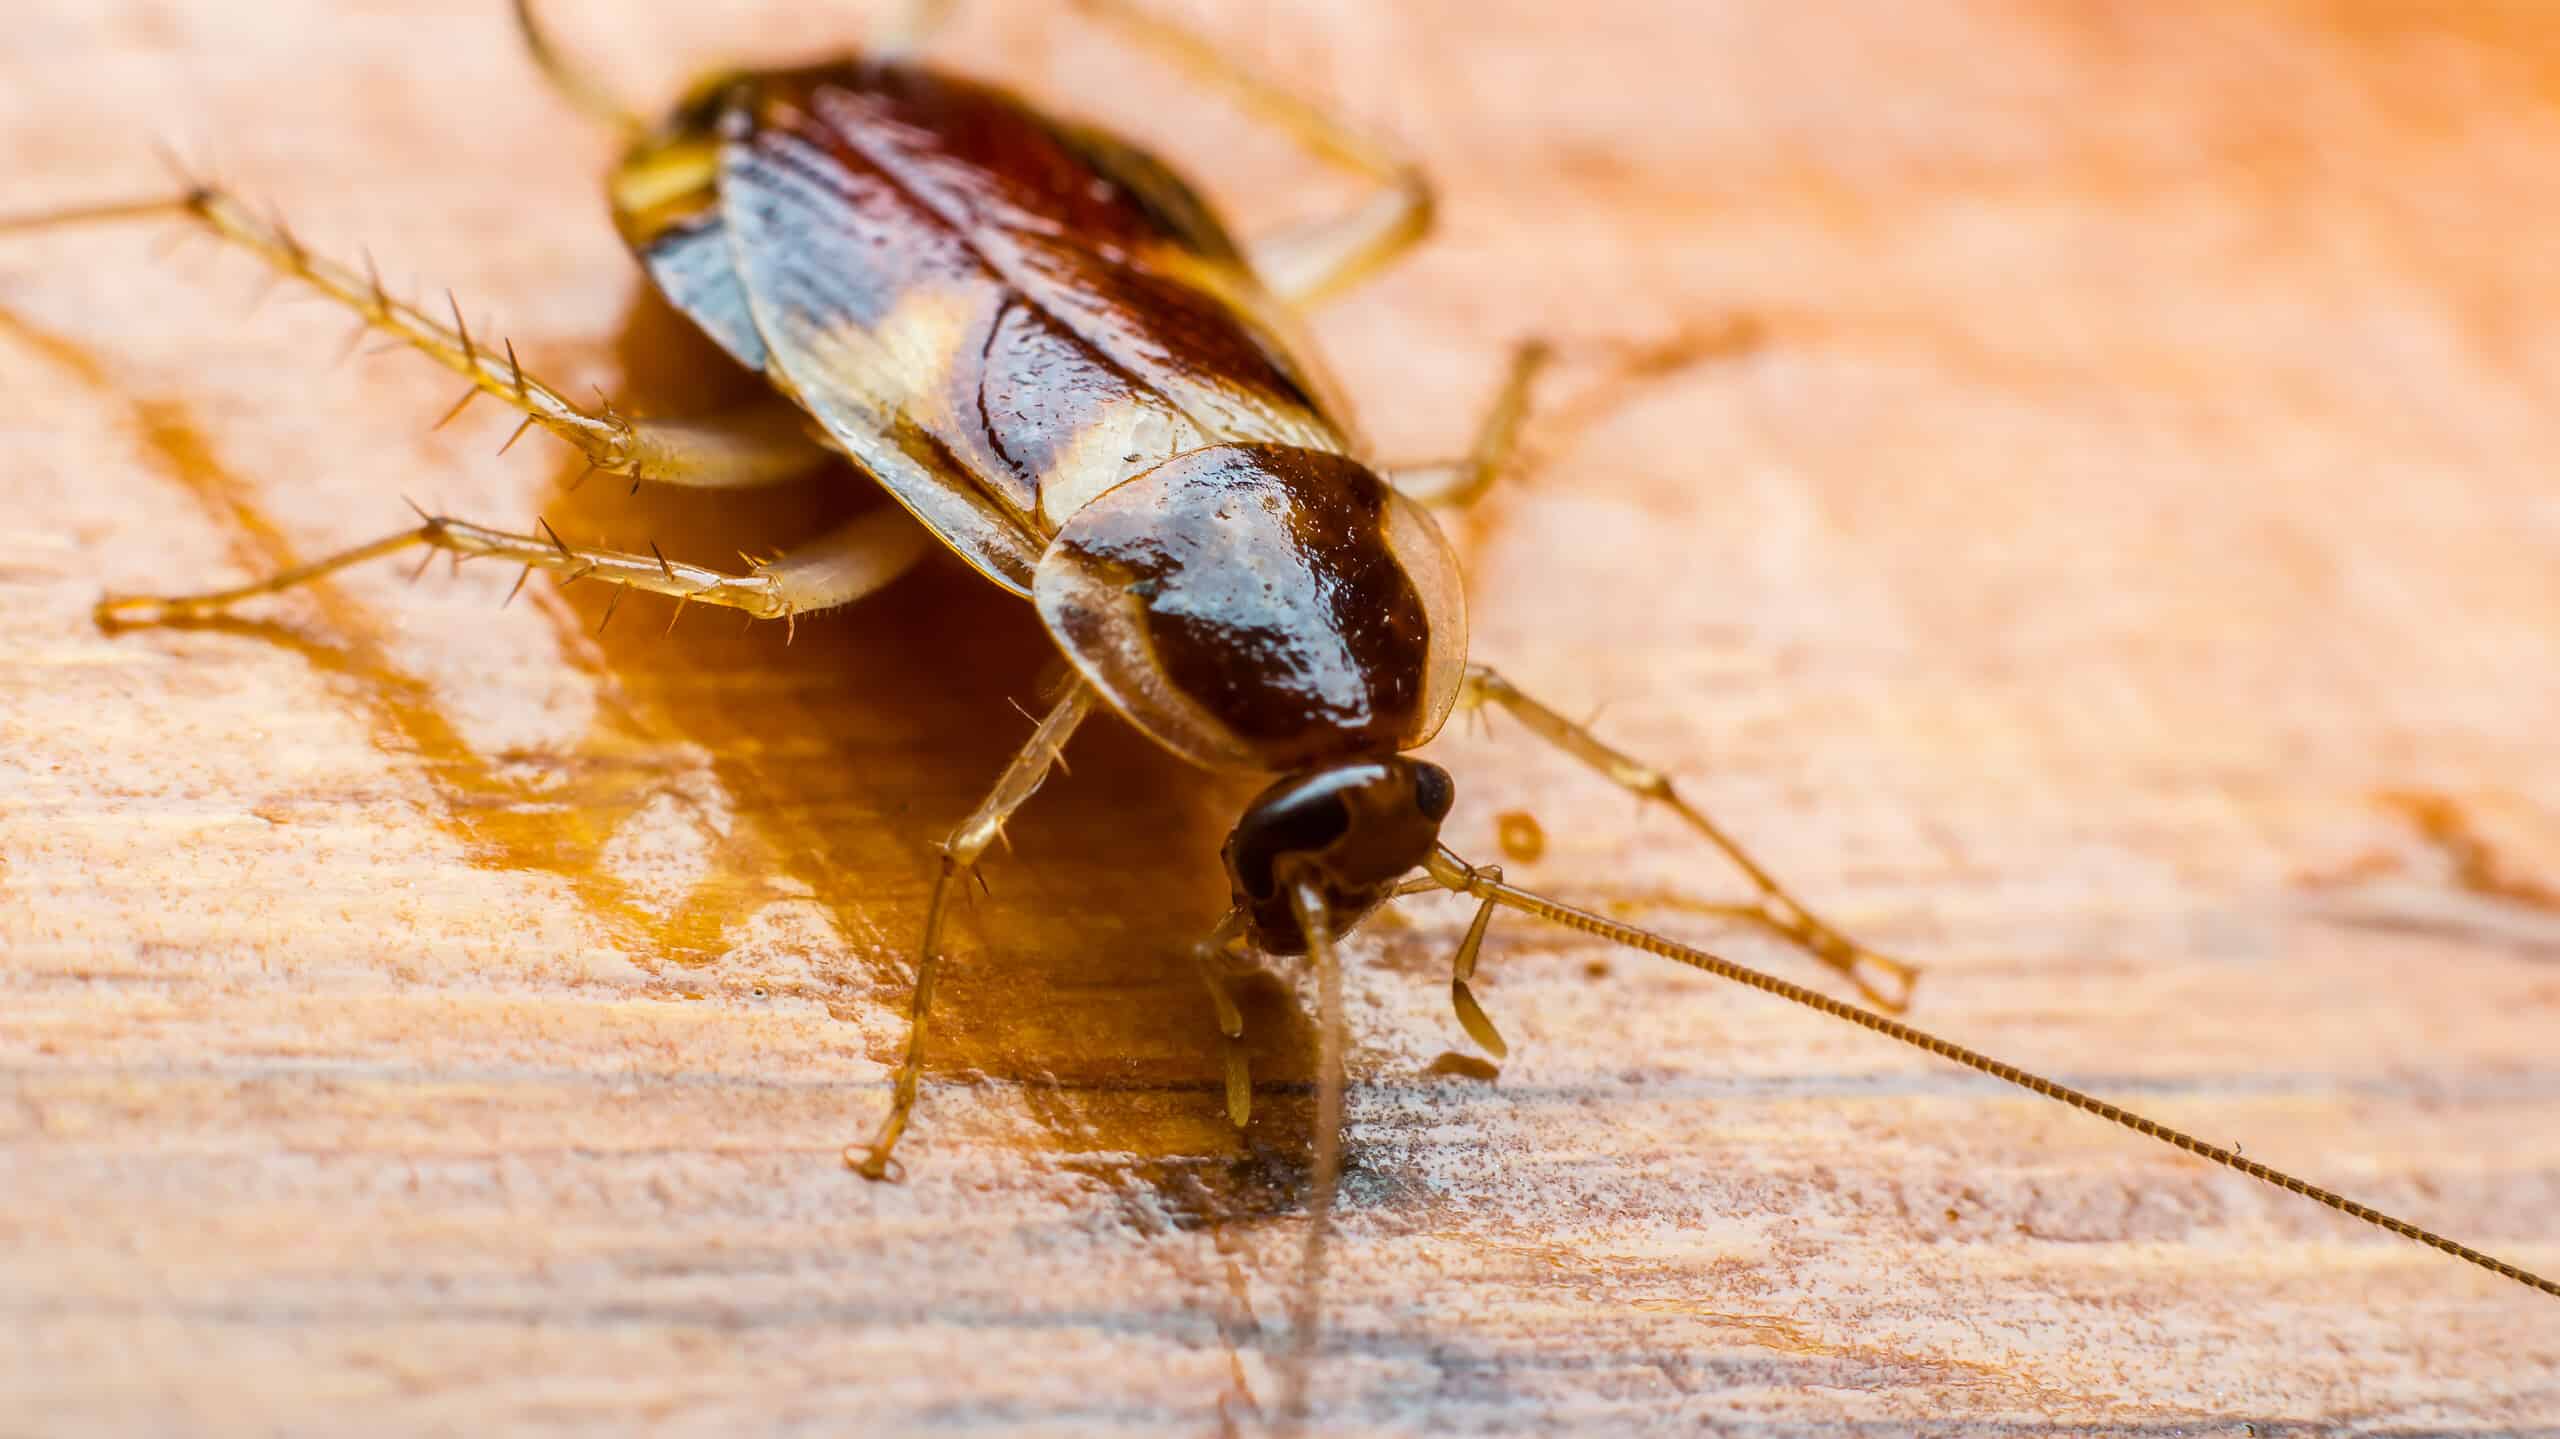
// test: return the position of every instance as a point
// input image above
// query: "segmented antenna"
(582, 90)
(1456, 874)
(1317, 924)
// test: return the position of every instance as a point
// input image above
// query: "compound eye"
(1433, 790)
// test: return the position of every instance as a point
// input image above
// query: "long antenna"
(1316, 922)
(1456, 874)
(575, 85)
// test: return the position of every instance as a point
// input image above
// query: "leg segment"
(761, 443)
(1777, 911)
(1311, 263)
(1462, 973)
(1459, 483)
(848, 562)
(1212, 956)
(960, 853)
(837, 568)
(1462, 970)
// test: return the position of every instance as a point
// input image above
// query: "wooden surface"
(2144, 461)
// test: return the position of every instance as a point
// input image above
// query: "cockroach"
(1065, 368)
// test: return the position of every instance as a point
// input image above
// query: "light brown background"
(446, 1019)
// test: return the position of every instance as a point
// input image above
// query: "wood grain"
(450, 1017)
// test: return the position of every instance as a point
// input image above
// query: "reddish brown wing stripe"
(1002, 162)
(1071, 238)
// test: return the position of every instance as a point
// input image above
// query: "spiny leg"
(1021, 780)
(1211, 954)
(1311, 263)
(836, 568)
(764, 442)
(1459, 483)
(1777, 911)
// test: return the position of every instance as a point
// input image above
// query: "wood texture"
(2141, 461)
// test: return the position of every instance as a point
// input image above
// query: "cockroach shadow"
(854, 740)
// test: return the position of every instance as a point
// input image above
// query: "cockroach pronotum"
(1066, 370)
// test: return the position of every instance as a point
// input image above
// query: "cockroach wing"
(1000, 317)
(666, 203)
(826, 253)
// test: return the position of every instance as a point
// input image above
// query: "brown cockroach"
(1058, 360)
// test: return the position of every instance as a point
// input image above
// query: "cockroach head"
(1350, 832)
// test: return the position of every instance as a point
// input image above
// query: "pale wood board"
(435, 1019)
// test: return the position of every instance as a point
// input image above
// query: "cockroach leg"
(1311, 263)
(1886, 983)
(763, 442)
(1020, 781)
(759, 442)
(848, 562)
(834, 569)
(1459, 483)
(1211, 954)
(1462, 973)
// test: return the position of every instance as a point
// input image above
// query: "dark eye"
(1433, 791)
